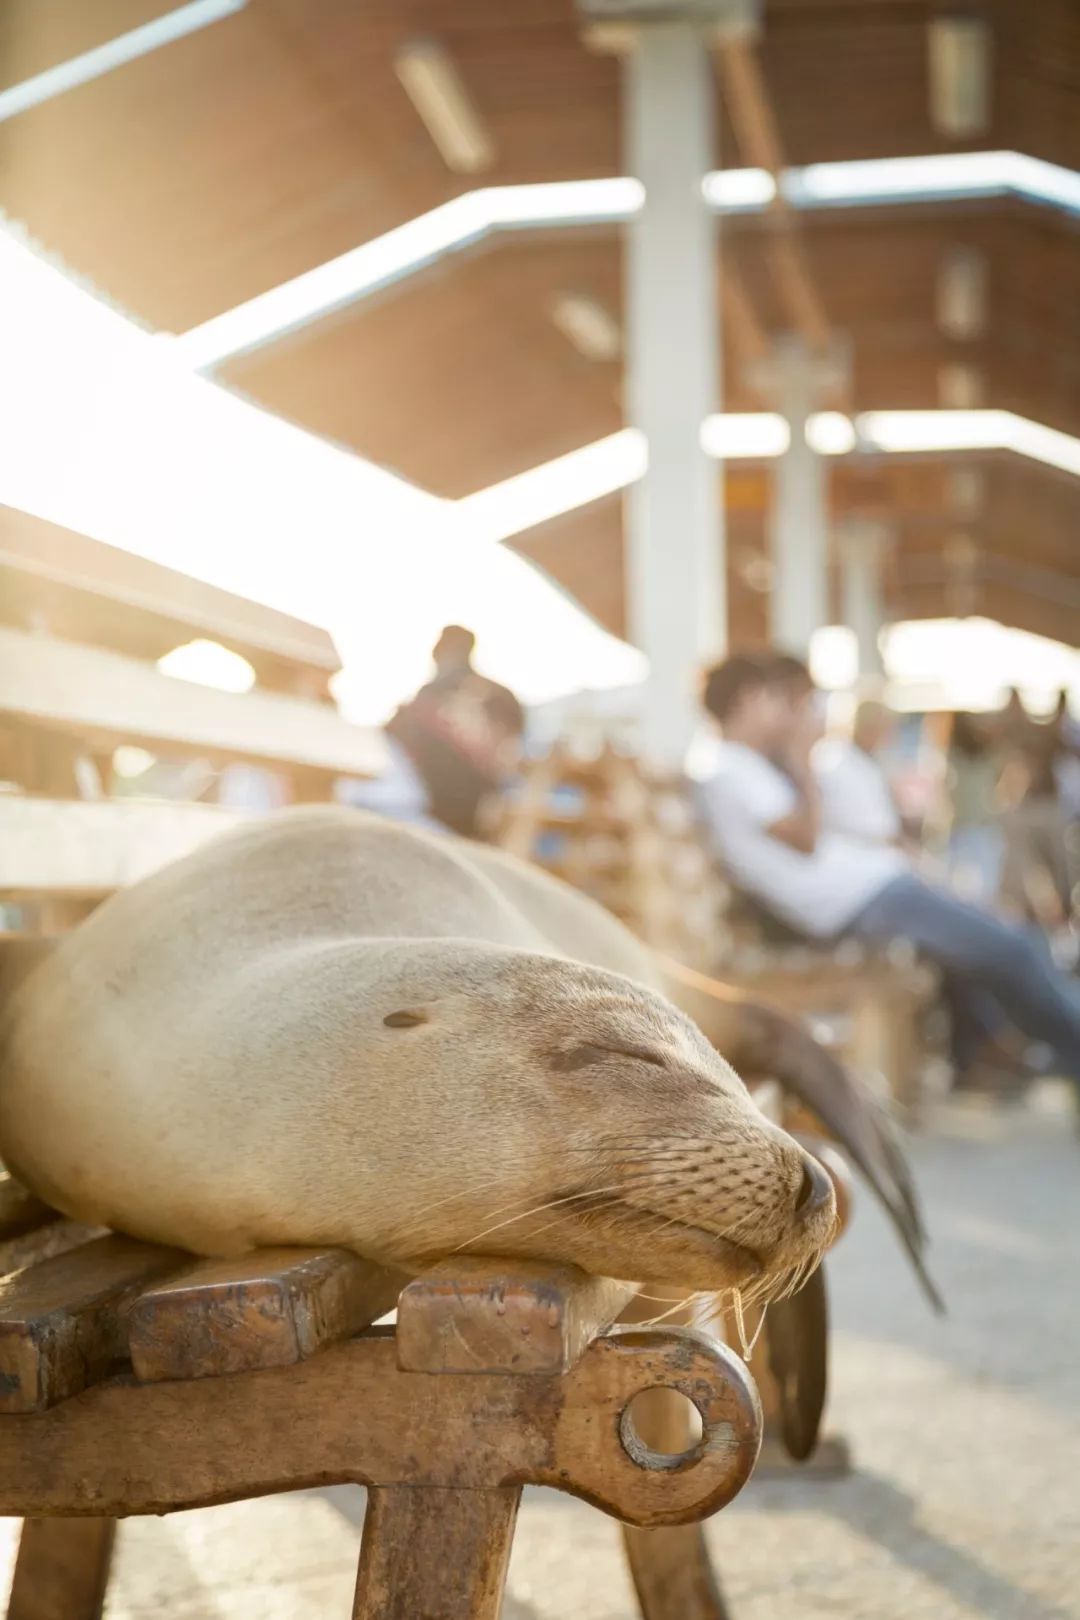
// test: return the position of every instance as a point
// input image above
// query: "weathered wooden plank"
(350, 1415)
(58, 847)
(105, 698)
(465, 1316)
(20, 1211)
(269, 1309)
(429, 1553)
(30, 1231)
(57, 1236)
(60, 1321)
(62, 1569)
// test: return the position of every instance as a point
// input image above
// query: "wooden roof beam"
(740, 319)
(750, 110)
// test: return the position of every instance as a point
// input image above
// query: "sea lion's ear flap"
(18, 959)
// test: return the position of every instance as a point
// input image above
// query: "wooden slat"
(105, 699)
(30, 1231)
(474, 1317)
(85, 590)
(60, 847)
(60, 1321)
(269, 1309)
(20, 1211)
(57, 1236)
(62, 1569)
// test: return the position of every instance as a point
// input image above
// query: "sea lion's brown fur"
(327, 1028)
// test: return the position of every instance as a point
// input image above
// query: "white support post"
(800, 519)
(863, 543)
(675, 552)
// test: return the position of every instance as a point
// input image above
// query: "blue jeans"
(975, 859)
(979, 953)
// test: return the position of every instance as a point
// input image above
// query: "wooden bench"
(55, 581)
(135, 1379)
(95, 700)
(81, 628)
(80, 624)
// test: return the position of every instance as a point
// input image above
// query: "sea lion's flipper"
(760, 1040)
(796, 1344)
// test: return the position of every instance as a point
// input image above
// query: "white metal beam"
(118, 52)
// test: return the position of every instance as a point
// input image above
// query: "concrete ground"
(965, 1497)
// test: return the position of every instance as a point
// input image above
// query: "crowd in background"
(813, 830)
(827, 832)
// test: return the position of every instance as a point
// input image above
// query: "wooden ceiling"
(459, 378)
(267, 143)
(272, 140)
(1018, 540)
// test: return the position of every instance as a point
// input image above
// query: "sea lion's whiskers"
(665, 1139)
(475, 1187)
(608, 1203)
(643, 1152)
(650, 1177)
(463, 1192)
(538, 1209)
(735, 1231)
(679, 1305)
(746, 1347)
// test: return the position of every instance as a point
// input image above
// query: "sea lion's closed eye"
(587, 1053)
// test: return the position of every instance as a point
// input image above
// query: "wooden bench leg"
(673, 1574)
(62, 1569)
(435, 1554)
(670, 1566)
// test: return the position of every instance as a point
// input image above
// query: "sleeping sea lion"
(330, 1029)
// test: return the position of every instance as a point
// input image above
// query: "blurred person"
(764, 807)
(1068, 764)
(461, 733)
(857, 798)
(976, 845)
(1039, 870)
(856, 795)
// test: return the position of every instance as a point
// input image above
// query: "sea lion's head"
(558, 1112)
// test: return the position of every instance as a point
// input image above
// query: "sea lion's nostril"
(814, 1189)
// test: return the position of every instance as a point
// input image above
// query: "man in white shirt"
(855, 794)
(764, 807)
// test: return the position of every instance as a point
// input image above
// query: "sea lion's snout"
(740, 1205)
(815, 1189)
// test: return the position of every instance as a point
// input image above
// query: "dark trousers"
(996, 963)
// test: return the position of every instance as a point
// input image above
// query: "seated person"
(764, 809)
(460, 732)
(856, 797)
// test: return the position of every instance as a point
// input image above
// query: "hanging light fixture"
(960, 49)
